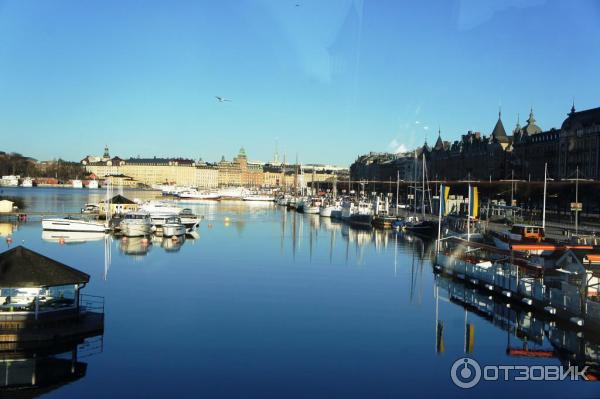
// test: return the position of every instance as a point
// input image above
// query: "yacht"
(93, 184)
(72, 224)
(77, 183)
(198, 195)
(258, 197)
(173, 227)
(27, 182)
(233, 193)
(190, 220)
(90, 208)
(136, 224)
(160, 207)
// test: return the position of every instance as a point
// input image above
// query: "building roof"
(23, 268)
(531, 128)
(120, 200)
(581, 119)
(499, 134)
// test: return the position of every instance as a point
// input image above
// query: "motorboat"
(71, 237)
(93, 184)
(77, 183)
(27, 182)
(190, 220)
(136, 224)
(312, 206)
(518, 234)
(90, 208)
(173, 227)
(258, 197)
(160, 207)
(233, 193)
(198, 195)
(72, 224)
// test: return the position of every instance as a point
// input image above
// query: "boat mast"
(545, 188)
(415, 186)
(437, 247)
(423, 187)
(397, 190)
(469, 211)
(577, 201)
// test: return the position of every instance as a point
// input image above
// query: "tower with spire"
(499, 133)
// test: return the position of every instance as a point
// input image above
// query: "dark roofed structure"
(499, 133)
(119, 199)
(581, 119)
(22, 267)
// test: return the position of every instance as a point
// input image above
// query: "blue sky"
(328, 79)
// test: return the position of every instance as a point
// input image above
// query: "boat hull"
(135, 230)
(170, 230)
(72, 225)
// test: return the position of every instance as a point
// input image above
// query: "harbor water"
(266, 302)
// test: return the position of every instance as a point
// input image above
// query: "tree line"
(17, 164)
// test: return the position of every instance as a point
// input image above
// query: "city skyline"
(355, 75)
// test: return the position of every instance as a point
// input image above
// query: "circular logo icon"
(465, 373)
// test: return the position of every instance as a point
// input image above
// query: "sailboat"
(423, 227)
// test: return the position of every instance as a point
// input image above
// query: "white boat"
(71, 224)
(160, 207)
(77, 183)
(93, 184)
(71, 237)
(312, 206)
(136, 224)
(198, 195)
(90, 208)
(233, 192)
(328, 209)
(520, 234)
(259, 197)
(27, 182)
(173, 227)
(283, 201)
(189, 219)
(10, 181)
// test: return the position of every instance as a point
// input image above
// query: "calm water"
(270, 303)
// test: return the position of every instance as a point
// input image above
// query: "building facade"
(524, 154)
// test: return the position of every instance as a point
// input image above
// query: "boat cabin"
(35, 289)
(528, 232)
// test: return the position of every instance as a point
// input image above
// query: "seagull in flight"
(221, 99)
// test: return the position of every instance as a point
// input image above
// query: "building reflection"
(529, 332)
(32, 371)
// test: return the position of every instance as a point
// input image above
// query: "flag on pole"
(474, 202)
(444, 193)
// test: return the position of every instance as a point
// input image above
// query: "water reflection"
(528, 333)
(31, 371)
(71, 237)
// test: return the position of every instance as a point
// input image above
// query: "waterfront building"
(207, 176)
(118, 205)
(522, 154)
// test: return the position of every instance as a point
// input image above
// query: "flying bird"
(221, 99)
